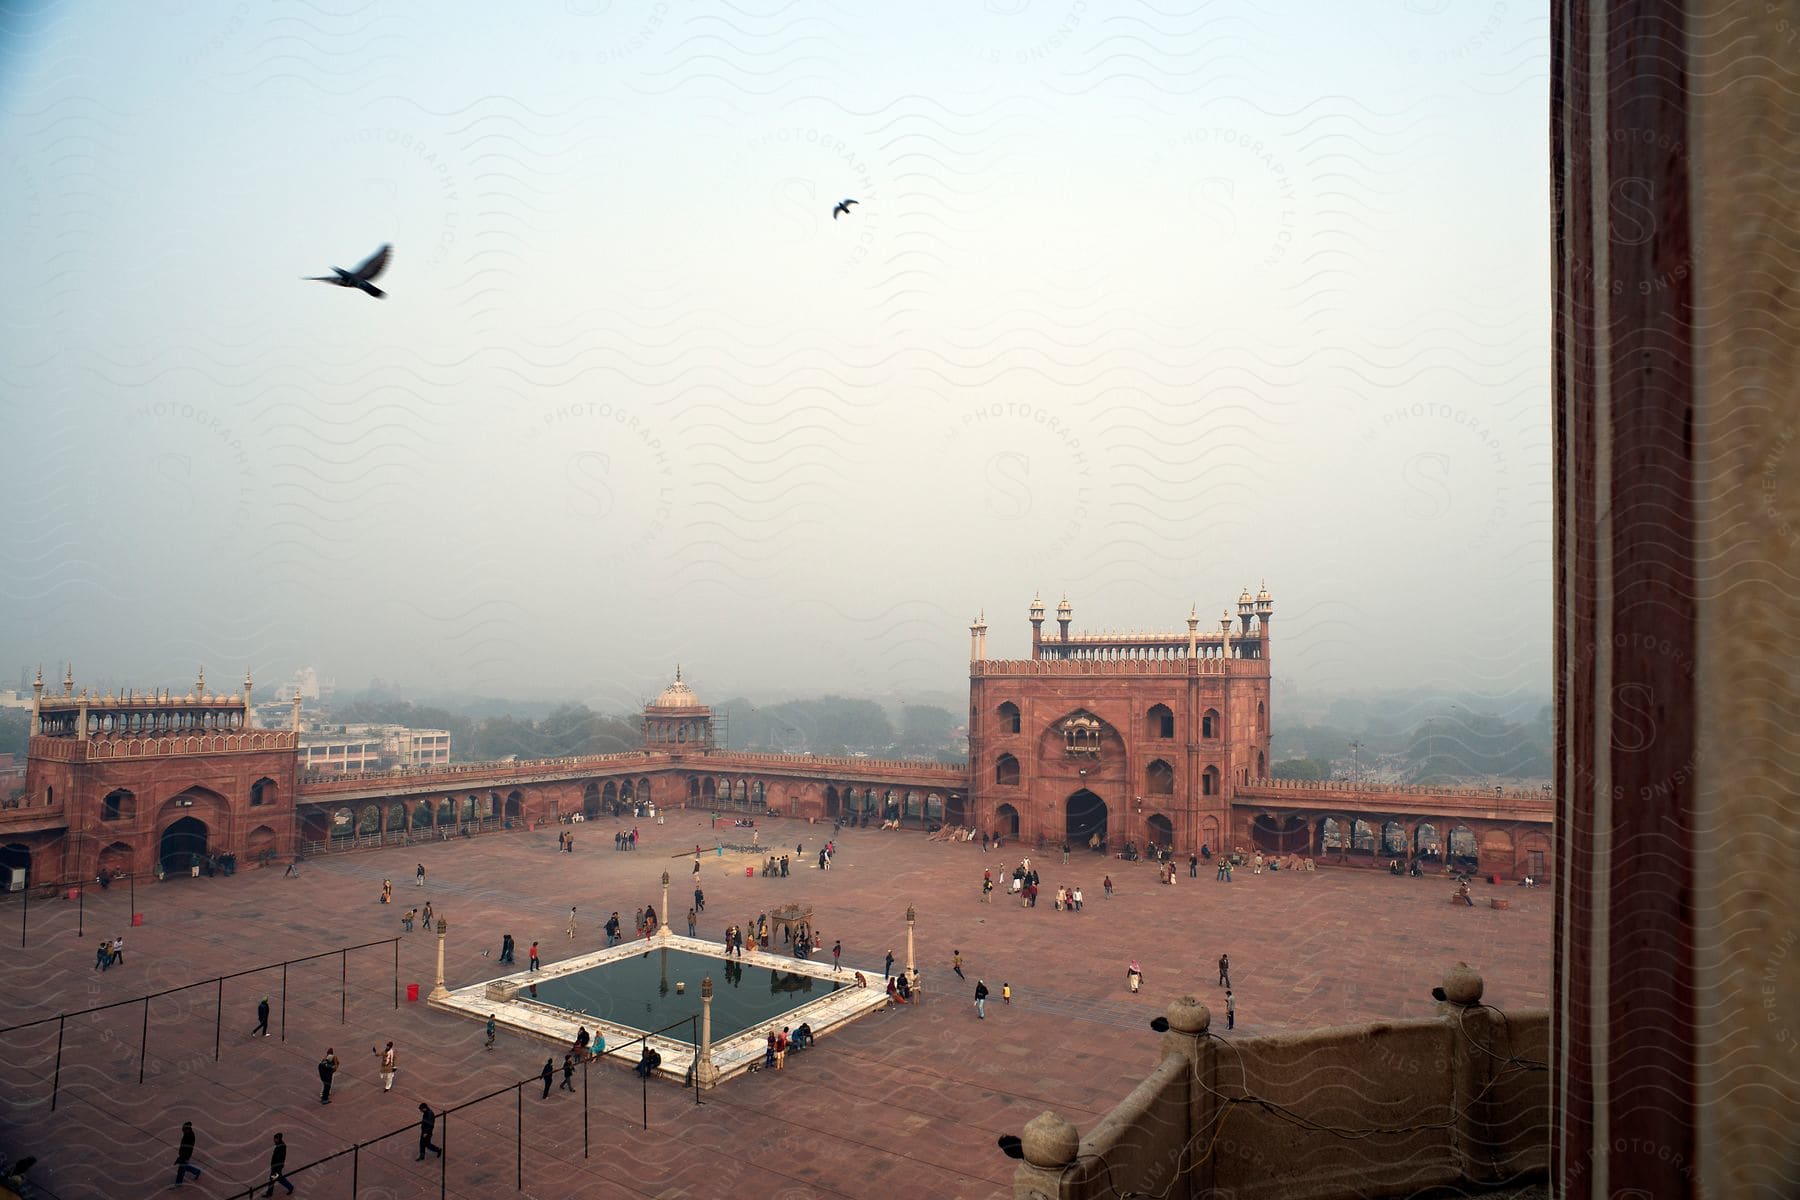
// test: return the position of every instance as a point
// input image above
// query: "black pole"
(355, 1167)
(25, 915)
(80, 911)
(519, 1133)
(584, 1108)
(444, 1161)
(219, 1018)
(343, 987)
(396, 974)
(56, 1083)
(144, 1046)
(645, 1080)
(133, 878)
(284, 1002)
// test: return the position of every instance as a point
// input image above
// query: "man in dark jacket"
(326, 1071)
(427, 1121)
(278, 1168)
(183, 1157)
(548, 1074)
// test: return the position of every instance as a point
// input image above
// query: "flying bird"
(843, 207)
(359, 278)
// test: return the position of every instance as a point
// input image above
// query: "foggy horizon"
(1138, 307)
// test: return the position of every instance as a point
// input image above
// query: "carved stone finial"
(706, 988)
(1049, 1141)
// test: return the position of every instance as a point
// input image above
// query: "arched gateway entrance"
(1084, 817)
(183, 842)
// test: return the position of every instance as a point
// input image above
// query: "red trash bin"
(137, 918)
(412, 992)
(1496, 881)
(74, 893)
(749, 872)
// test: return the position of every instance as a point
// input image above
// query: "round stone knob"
(1462, 985)
(1188, 1015)
(1049, 1141)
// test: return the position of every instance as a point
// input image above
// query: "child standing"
(1006, 993)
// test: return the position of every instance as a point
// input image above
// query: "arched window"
(119, 805)
(1262, 765)
(1209, 723)
(1209, 781)
(1262, 717)
(1161, 721)
(1006, 770)
(1009, 717)
(1159, 779)
(262, 792)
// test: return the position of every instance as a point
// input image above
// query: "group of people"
(622, 840)
(775, 868)
(109, 952)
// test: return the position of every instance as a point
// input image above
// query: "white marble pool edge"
(731, 1056)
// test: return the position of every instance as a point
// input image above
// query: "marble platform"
(731, 1056)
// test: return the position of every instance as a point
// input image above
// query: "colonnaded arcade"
(1157, 738)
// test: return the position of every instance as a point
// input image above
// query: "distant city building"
(306, 685)
(335, 749)
(11, 698)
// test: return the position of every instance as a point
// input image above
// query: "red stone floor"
(909, 1100)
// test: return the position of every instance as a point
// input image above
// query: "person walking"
(1076, 897)
(427, 1122)
(118, 947)
(1193, 865)
(837, 952)
(956, 965)
(419, 875)
(327, 1068)
(532, 957)
(568, 1069)
(184, 1165)
(1225, 971)
(987, 891)
(1230, 1010)
(262, 1018)
(278, 1168)
(389, 1064)
(548, 1074)
(691, 915)
(571, 929)
(490, 1031)
(1006, 993)
(981, 995)
(888, 970)
(699, 900)
(1107, 886)
(506, 948)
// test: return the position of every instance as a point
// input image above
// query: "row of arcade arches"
(1159, 775)
(1159, 721)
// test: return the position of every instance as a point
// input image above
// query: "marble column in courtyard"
(440, 992)
(662, 927)
(704, 1069)
(910, 917)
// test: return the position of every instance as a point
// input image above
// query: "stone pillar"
(439, 991)
(662, 929)
(1050, 1147)
(1677, 444)
(910, 917)
(704, 1070)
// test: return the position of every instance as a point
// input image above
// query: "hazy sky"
(1142, 302)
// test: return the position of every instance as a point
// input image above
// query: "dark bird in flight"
(843, 208)
(359, 278)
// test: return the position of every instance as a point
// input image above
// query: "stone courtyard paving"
(906, 1101)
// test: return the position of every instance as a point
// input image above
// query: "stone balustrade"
(1458, 1100)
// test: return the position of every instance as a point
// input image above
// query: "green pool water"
(639, 992)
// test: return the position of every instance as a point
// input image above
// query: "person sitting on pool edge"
(648, 1063)
(803, 1037)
